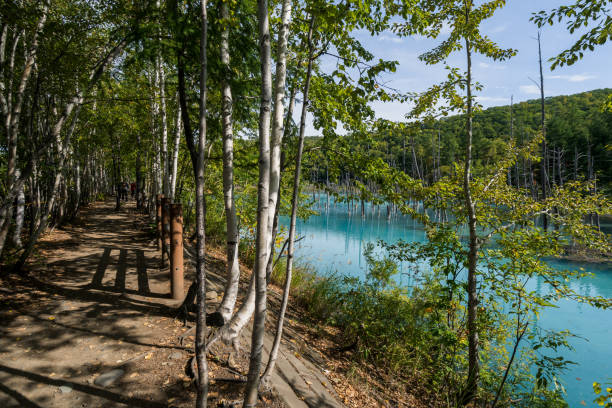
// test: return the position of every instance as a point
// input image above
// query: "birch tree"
(263, 189)
(201, 329)
(294, 207)
(11, 106)
(226, 308)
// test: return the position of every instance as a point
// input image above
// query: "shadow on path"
(87, 389)
(20, 398)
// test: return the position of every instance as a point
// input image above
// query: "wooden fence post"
(176, 251)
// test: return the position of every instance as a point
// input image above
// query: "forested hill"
(576, 130)
(578, 134)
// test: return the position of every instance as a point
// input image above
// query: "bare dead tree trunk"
(544, 160)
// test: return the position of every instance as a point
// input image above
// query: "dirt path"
(92, 326)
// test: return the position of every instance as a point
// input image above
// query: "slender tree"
(294, 208)
(261, 243)
(465, 17)
(201, 329)
(226, 308)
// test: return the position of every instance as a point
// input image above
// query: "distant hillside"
(579, 139)
(577, 131)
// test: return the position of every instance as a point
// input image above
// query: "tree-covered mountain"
(578, 135)
(578, 132)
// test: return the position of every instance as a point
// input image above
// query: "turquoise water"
(334, 242)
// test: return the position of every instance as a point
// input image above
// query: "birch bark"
(262, 245)
(201, 329)
(226, 308)
(294, 207)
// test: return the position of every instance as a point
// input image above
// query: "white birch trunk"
(262, 245)
(279, 110)
(175, 152)
(19, 216)
(157, 176)
(226, 308)
(294, 208)
(165, 163)
(11, 114)
(201, 329)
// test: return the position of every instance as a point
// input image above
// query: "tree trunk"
(175, 152)
(226, 308)
(544, 161)
(575, 163)
(294, 207)
(11, 113)
(262, 244)
(62, 153)
(473, 359)
(77, 187)
(139, 183)
(201, 329)
(165, 163)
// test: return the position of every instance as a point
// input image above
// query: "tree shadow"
(20, 398)
(87, 389)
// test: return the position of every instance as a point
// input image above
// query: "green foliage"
(419, 331)
(604, 398)
(583, 13)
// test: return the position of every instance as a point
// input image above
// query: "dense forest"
(206, 103)
(577, 131)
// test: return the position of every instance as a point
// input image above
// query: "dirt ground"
(95, 302)
(92, 325)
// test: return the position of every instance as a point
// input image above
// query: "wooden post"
(158, 219)
(176, 251)
(165, 221)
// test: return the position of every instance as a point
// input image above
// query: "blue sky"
(510, 28)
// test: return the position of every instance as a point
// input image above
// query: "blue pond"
(334, 243)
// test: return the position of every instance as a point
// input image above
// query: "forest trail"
(92, 325)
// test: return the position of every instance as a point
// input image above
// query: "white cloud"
(499, 29)
(484, 65)
(396, 40)
(492, 99)
(573, 78)
(530, 89)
